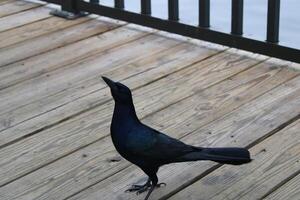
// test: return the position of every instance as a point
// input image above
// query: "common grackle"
(149, 149)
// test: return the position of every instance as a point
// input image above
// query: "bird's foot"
(143, 188)
(139, 188)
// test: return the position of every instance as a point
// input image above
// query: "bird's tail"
(234, 156)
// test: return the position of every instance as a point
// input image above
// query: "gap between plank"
(109, 29)
(95, 106)
(282, 183)
(210, 170)
(27, 9)
(256, 142)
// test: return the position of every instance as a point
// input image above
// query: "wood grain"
(77, 100)
(105, 110)
(290, 190)
(53, 40)
(55, 111)
(104, 128)
(22, 18)
(36, 29)
(84, 73)
(15, 7)
(241, 127)
(275, 159)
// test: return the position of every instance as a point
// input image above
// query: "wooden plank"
(16, 6)
(89, 93)
(20, 19)
(54, 40)
(36, 29)
(275, 159)
(290, 190)
(97, 120)
(57, 82)
(6, 1)
(17, 73)
(241, 127)
(94, 160)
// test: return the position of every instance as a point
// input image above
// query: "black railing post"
(273, 21)
(119, 4)
(237, 9)
(146, 7)
(68, 10)
(173, 8)
(204, 13)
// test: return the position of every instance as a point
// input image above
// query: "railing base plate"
(68, 15)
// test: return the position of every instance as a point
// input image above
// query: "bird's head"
(121, 93)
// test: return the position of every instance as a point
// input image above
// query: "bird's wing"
(150, 144)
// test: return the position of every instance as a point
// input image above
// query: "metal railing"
(235, 39)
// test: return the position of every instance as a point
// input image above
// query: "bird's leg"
(150, 191)
(140, 188)
(154, 184)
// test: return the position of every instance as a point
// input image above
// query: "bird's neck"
(124, 113)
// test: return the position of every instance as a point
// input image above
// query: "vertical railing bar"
(146, 7)
(119, 4)
(95, 1)
(273, 21)
(69, 5)
(204, 13)
(237, 12)
(173, 8)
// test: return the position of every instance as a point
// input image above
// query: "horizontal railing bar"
(95, 1)
(248, 44)
(204, 13)
(173, 10)
(237, 12)
(146, 7)
(273, 21)
(58, 2)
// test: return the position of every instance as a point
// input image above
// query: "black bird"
(149, 149)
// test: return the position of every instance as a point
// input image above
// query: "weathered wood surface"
(35, 29)
(48, 42)
(275, 160)
(22, 18)
(2, 2)
(13, 7)
(290, 190)
(102, 157)
(87, 80)
(241, 127)
(104, 97)
(55, 111)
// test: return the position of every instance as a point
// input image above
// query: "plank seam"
(279, 185)
(65, 119)
(13, 13)
(40, 53)
(18, 26)
(57, 123)
(218, 82)
(64, 65)
(44, 19)
(251, 145)
(175, 191)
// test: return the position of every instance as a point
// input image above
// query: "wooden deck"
(55, 110)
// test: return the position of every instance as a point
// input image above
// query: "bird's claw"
(161, 184)
(143, 188)
(138, 188)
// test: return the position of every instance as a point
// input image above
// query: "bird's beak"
(109, 82)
